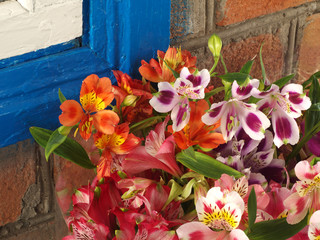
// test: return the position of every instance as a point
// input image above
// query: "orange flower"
(196, 132)
(95, 95)
(119, 142)
(175, 58)
(134, 95)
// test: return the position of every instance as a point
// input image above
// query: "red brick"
(68, 176)
(236, 54)
(309, 54)
(234, 11)
(18, 166)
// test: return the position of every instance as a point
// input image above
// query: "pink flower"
(158, 152)
(314, 226)
(221, 210)
(307, 195)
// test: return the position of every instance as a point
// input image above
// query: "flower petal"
(314, 227)
(243, 92)
(237, 234)
(298, 207)
(249, 143)
(180, 115)
(105, 121)
(214, 114)
(71, 113)
(285, 128)
(198, 231)
(258, 94)
(166, 98)
(254, 123)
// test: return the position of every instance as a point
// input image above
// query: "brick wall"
(290, 30)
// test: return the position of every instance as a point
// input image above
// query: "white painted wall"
(30, 25)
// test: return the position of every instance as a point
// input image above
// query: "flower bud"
(215, 45)
(130, 100)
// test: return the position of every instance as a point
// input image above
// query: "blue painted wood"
(117, 35)
(8, 62)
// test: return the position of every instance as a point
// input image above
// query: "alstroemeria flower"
(234, 114)
(307, 195)
(314, 226)
(120, 142)
(220, 210)
(159, 72)
(176, 98)
(133, 95)
(283, 107)
(158, 152)
(196, 132)
(95, 95)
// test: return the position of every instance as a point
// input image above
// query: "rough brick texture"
(18, 166)
(309, 54)
(234, 11)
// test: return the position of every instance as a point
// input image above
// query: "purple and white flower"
(234, 114)
(175, 98)
(283, 107)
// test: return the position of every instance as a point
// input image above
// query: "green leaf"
(187, 189)
(313, 117)
(315, 107)
(239, 77)
(55, 140)
(263, 70)
(247, 67)
(277, 229)
(62, 98)
(175, 74)
(204, 164)
(64, 130)
(283, 81)
(307, 82)
(175, 191)
(303, 141)
(252, 207)
(69, 149)
(213, 92)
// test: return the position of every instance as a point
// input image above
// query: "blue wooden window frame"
(116, 35)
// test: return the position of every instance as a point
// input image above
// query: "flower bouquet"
(174, 161)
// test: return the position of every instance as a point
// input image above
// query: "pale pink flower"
(314, 226)
(307, 195)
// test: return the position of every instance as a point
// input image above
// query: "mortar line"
(237, 30)
(291, 46)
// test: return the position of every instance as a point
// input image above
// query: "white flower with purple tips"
(283, 107)
(175, 98)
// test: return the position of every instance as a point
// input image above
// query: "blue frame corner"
(116, 35)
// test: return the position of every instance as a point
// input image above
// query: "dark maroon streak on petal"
(166, 97)
(253, 122)
(180, 114)
(215, 111)
(264, 156)
(196, 80)
(283, 128)
(295, 98)
(244, 90)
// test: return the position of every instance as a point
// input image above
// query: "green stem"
(224, 65)
(213, 92)
(303, 141)
(216, 60)
(145, 121)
